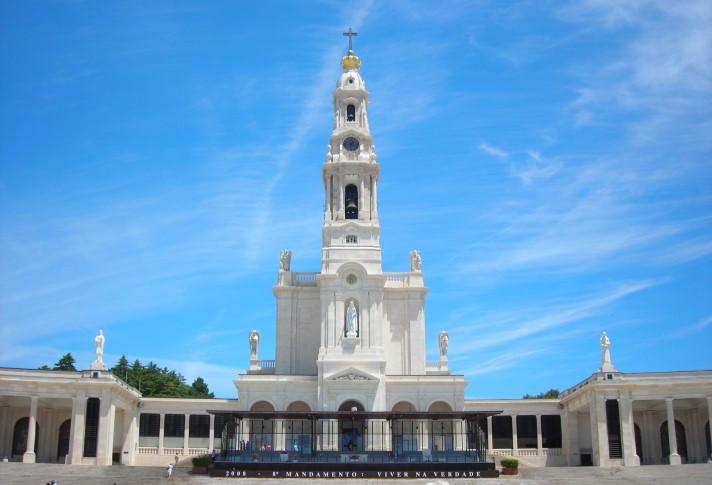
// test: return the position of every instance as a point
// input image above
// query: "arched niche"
(406, 434)
(262, 407)
(403, 407)
(298, 432)
(298, 407)
(439, 407)
(441, 436)
(349, 404)
(352, 318)
(351, 430)
(261, 430)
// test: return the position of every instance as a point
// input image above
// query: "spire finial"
(350, 34)
(350, 62)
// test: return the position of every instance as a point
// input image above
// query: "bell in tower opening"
(351, 202)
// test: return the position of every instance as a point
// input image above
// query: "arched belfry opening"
(351, 201)
(350, 112)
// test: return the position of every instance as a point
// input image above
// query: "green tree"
(121, 369)
(200, 388)
(550, 394)
(44, 367)
(65, 363)
(150, 379)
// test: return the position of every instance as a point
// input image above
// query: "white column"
(538, 435)
(186, 434)
(29, 456)
(76, 430)
(489, 435)
(672, 438)
(161, 433)
(459, 429)
(630, 456)
(709, 417)
(599, 423)
(105, 436)
(569, 437)
(211, 439)
(423, 434)
(128, 449)
(515, 443)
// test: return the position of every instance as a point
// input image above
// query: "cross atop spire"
(350, 34)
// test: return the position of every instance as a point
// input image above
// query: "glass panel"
(174, 426)
(526, 431)
(551, 431)
(502, 432)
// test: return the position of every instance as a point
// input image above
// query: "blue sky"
(551, 160)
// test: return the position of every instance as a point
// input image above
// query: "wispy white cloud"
(535, 169)
(91, 259)
(663, 71)
(493, 151)
(492, 334)
(512, 358)
(684, 331)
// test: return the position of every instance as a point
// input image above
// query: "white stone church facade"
(352, 336)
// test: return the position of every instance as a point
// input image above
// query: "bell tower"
(351, 230)
(351, 283)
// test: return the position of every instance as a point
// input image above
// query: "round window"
(351, 279)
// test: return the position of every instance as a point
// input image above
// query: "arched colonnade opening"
(19, 437)
(681, 440)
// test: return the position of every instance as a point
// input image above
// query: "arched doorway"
(441, 437)
(63, 440)
(351, 430)
(261, 430)
(638, 443)
(19, 436)
(405, 431)
(681, 439)
(298, 432)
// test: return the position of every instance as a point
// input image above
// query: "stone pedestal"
(98, 365)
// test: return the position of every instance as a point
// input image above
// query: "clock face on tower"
(351, 144)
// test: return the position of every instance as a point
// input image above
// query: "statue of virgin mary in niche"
(351, 320)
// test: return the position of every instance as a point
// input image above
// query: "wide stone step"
(41, 473)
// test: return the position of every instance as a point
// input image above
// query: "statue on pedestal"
(606, 364)
(98, 363)
(351, 320)
(443, 341)
(254, 340)
(416, 261)
(285, 259)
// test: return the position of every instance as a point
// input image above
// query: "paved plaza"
(39, 474)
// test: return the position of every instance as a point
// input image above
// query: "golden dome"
(350, 62)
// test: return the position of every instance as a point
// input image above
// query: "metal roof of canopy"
(314, 415)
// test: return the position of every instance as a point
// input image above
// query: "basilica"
(349, 390)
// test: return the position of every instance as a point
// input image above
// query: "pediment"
(351, 374)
